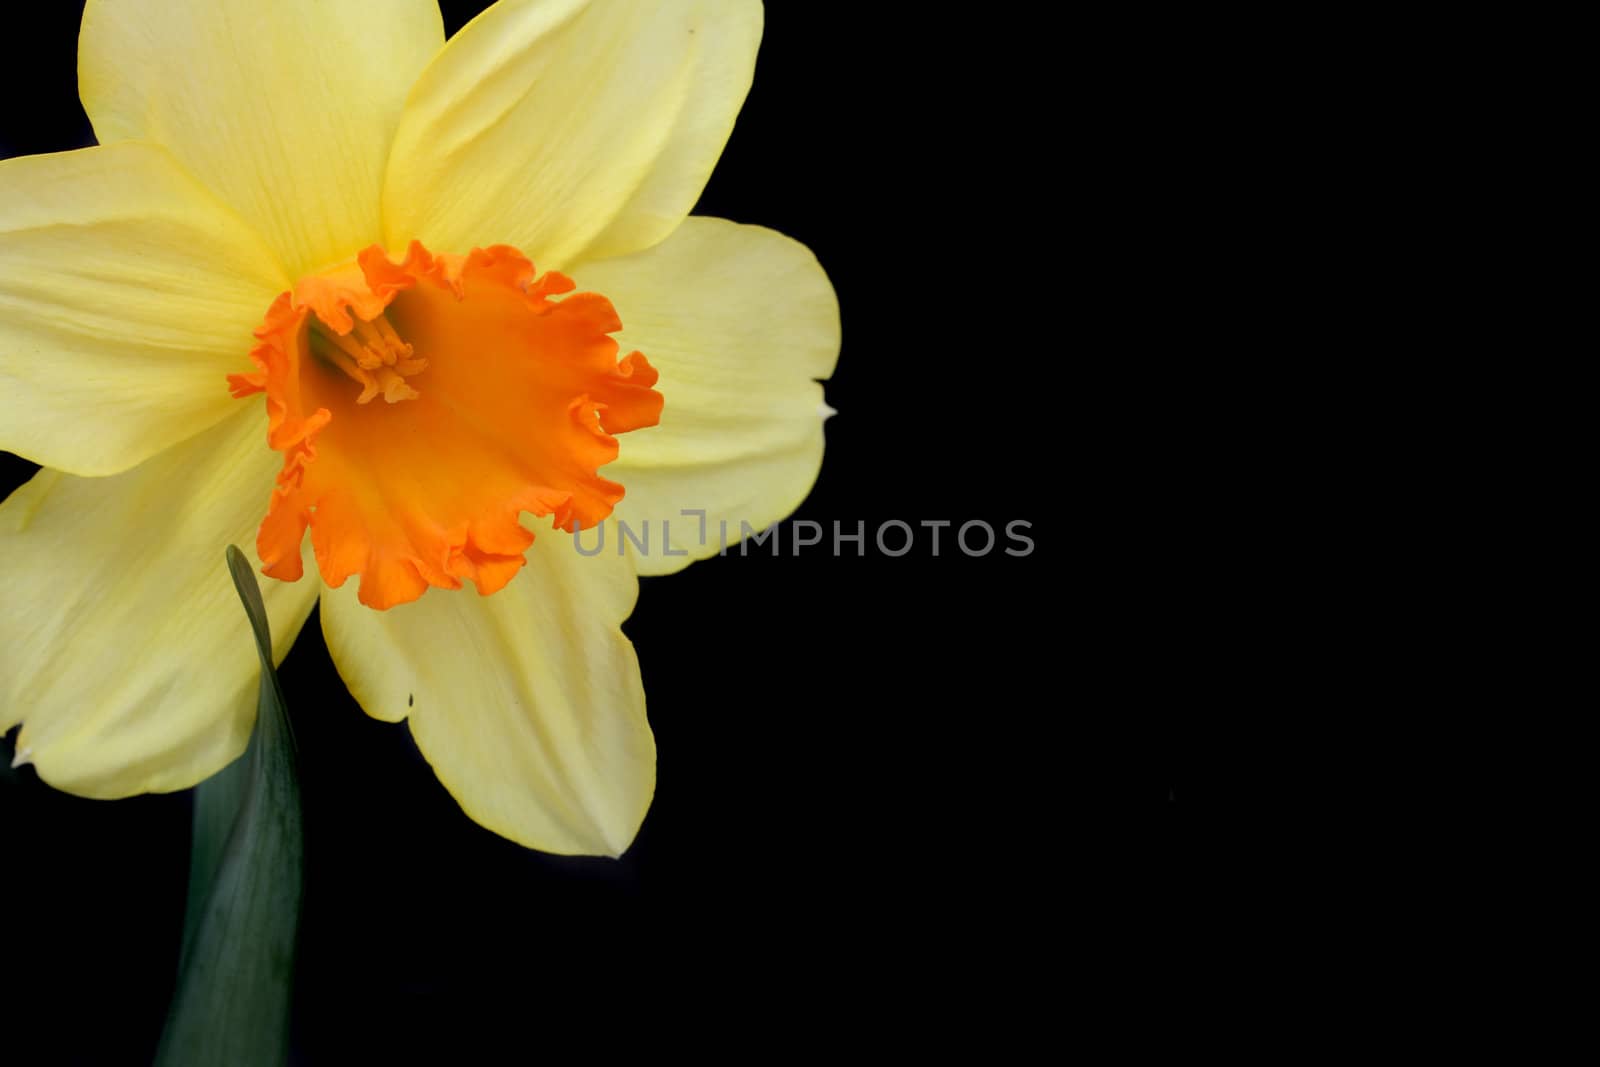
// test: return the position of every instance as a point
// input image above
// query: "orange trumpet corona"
(422, 405)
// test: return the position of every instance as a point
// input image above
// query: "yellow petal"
(285, 109)
(124, 651)
(740, 321)
(527, 703)
(127, 294)
(560, 126)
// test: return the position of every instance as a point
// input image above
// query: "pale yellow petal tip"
(23, 756)
(826, 412)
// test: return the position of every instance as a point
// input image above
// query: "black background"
(872, 797)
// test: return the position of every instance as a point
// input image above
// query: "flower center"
(516, 411)
(373, 356)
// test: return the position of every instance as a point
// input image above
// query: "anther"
(372, 355)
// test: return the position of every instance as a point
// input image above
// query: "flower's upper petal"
(527, 703)
(285, 109)
(740, 321)
(124, 651)
(566, 126)
(127, 293)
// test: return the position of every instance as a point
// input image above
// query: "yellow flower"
(334, 190)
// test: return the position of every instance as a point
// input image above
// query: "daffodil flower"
(380, 306)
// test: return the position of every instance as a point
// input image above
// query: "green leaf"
(245, 885)
(217, 801)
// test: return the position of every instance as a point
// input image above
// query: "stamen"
(372, 355)
(386, 331)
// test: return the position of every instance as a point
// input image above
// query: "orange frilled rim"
(421, 406)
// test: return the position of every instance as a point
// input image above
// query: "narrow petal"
(740, 322)
(285, 109)
(567, 125)
(527, 703)
(124, 651)
(127, 294)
